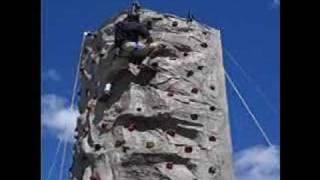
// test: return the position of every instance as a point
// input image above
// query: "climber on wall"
(127, 34)
(132, 38)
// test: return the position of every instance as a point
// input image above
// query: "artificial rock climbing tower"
(168, 121)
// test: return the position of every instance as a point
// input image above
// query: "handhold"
(188, 149)
(119, 143)
(125, 149)
(169, 165)
(194, 116)
(103, 125)
(139, 109)
(97, 147)
(200, 67)
(170, 94)
(185, 54)
(212, 138)
(212, 108)
(150, 145)
(189, 73)
(194, 90)
(154, 64)
(212, 170)
(174, 23)
(132, 127)
(212, 87)
(171, 132)
(204, 45)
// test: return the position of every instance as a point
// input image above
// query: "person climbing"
(128, 33)
(132, 38)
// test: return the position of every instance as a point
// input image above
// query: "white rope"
(248, 109)
(65, 145)
(250, 80)
(54, 159)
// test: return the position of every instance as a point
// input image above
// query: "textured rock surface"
(165, 123)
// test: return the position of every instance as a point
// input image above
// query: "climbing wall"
(168, 121)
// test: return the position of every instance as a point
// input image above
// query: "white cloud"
(276, 2)
(57, 117)
(53, 75)
(258, 163)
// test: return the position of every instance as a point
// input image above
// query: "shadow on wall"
(162, 121)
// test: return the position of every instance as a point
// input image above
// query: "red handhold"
(188, 149)
(103, 125)
(95, 176)
(169, 165)
(132, 127)
(212, 138)
(171, 133)
(170, 94)
(194, 90)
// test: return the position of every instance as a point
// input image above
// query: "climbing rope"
(54, 159)
(65, 145)
(250, 80)
(267, 139)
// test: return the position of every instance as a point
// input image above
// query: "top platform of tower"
(159, 21)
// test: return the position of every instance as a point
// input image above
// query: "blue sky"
(250, 31)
